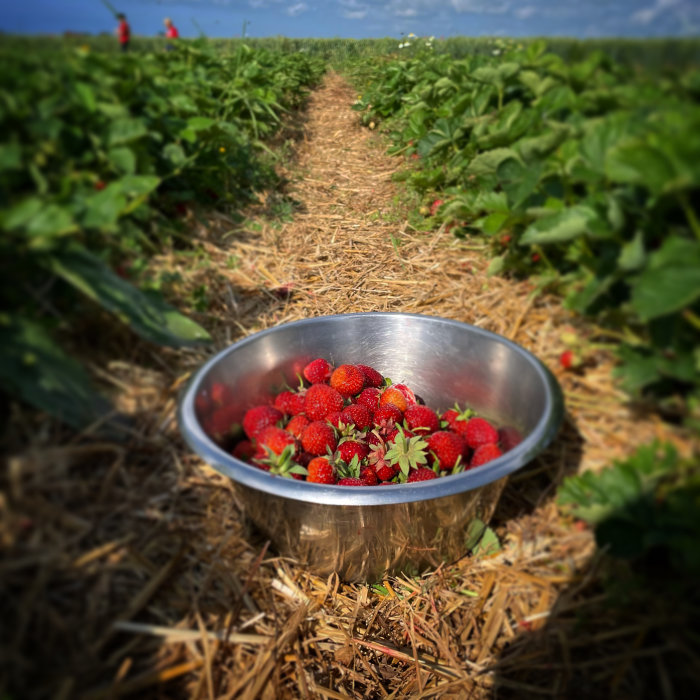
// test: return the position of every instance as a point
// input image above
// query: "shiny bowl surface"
(363, 533)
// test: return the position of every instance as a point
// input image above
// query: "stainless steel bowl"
(364, 533)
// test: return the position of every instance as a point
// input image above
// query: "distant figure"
(123, 32)
(170, 33)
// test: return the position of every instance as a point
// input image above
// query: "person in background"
(170, 33)
(123, 32)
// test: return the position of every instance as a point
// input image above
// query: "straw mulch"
(128, 568)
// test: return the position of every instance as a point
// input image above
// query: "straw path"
(128, 569)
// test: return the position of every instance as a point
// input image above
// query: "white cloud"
(525, 12)
(297, 9)
(649, 14)
(480, 6)
(407, 12)
(355, 9)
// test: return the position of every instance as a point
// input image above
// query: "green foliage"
(644, 506)
(94, 177)
(583, 173)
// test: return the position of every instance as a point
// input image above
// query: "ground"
(128, 567)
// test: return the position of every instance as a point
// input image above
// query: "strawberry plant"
(644, 509)
(583, 174)
(99, 158)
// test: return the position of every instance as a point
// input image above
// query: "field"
(165, 204)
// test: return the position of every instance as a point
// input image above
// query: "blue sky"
(364, 18)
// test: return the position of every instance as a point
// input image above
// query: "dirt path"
(146, 533)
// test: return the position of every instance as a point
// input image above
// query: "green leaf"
(10, 156)
(126, 130)
(200, 123)
(151, 318)
(632, 253)
(487, 545)
(122, 159)
(560, 227)
(487, 163)
(671, 280)
(34, 368)
(496, 266)
(639, 163)
(85, 95)
(493, 223)
(475, 531)
(104, 208)
(175, 154)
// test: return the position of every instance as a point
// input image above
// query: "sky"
(363, 18)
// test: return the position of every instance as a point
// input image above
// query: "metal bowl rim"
(544, 431)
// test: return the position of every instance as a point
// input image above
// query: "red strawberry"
(421, 419)
(509, 437)
(335, 419)
(407, 392)
(318, 371)
(222, 421)
(369, 476)
(566, 359)
(100, 185)
(435, 206)
(221, 394)
(421, 474)
(387, 414)
(348, 380)
(244, 450)
(202, 404)
(372, 377)
(447, 446)
(319, 437)
(480, 432)
(321, 471)
(352, 448)
(297, 424)
(483, 454)
(383, 468)
(391, 434)
(277, 439)
(357, 415)
(352, 481)
(320, 400)
(370, 397)
(457, 419)
(304, 459)
(289, 402)
(257, 419)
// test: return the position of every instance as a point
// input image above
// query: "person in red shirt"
(123, 32)
(170, 33)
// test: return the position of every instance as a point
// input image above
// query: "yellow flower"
(410, 35)
(222, 150)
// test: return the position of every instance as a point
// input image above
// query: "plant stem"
(690, 214)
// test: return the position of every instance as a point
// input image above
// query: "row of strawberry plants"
(98, 155)
(584, 175)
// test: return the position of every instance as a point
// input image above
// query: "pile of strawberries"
(350, 426)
